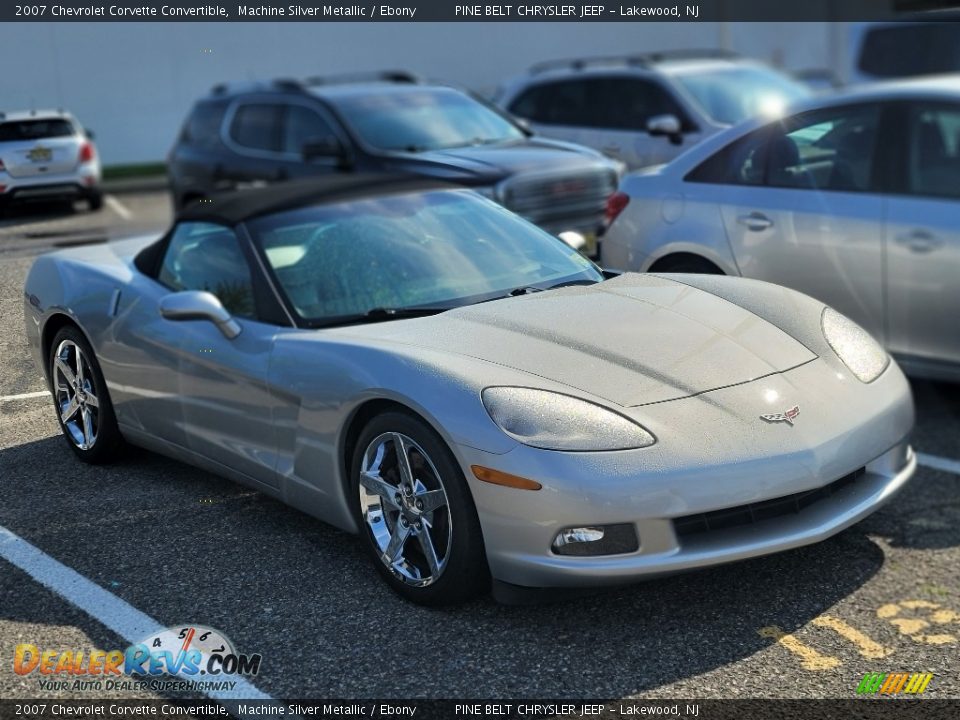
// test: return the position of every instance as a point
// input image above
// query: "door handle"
(920, 241)
(610, 150)
(755, 221)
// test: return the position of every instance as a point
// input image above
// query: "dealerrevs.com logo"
(201, 657)
(894, 683)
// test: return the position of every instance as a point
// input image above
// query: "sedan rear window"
(35, 129)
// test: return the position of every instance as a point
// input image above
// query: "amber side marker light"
(496, 477)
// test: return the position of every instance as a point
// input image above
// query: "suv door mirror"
(89, 133)
(323, 148)
(199, 305)
(666, 125)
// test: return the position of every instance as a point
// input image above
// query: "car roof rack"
(639, 60)
(386, 76)
(279, 84)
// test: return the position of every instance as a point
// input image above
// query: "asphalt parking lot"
(183, 546)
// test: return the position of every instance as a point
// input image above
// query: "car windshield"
(35, 129)
(417, 120)
(731, 95)
(369, 258)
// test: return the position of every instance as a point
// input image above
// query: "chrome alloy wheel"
(75, 395)
(405, 508)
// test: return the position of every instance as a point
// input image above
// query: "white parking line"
(118, 207)
(104, 607)
(939, 463)
(24, 396)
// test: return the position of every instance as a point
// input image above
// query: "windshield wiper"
(388, 313)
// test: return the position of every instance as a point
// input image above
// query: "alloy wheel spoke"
(70, 410)
(380, 487)
(431, 500)
(403, 459)
(91, 400)
(394, 548)
(66, 372)
(426, 543)
(87, 426)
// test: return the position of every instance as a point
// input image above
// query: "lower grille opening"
(758, 512)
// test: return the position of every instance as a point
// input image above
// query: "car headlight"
(552, 421)
(854, 346)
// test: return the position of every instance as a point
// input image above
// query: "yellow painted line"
(866, 646)
(917, 604)
(810, 659)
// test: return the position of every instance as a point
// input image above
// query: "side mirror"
(667, 126)
(323, 148)
(89, 133)
(198, 305)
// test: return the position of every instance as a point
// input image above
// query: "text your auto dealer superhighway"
(145, 11)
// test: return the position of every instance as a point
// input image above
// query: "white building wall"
(134, 82)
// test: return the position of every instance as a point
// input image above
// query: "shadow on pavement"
(186, 547)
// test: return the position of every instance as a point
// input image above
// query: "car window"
(439, 248)
(302, 124)
(934, 159)
(826, 150)
(617, 103)
(36, 129)
(205, 256)
(731, 95)
(417, 119)
(556, 103)
(741, 163)
(257, 126)
(203, 126)
(911, 49)
(627, 104)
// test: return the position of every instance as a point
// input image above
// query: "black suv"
(252, 134)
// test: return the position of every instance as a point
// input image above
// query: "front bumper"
(713, 453)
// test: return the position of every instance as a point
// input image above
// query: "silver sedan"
(853, 199)
(473, 397)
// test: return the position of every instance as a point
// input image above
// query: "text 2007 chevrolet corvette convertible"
(416, 363)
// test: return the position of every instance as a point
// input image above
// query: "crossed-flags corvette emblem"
(787, 416)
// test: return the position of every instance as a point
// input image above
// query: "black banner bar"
(469, 11)
(874, 708)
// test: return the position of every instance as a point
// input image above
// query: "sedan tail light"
(86, 153)
(615, 205)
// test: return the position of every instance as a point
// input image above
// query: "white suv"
(47, 155)
(645, 109)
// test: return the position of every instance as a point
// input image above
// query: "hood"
(494, 162)
(632, 340)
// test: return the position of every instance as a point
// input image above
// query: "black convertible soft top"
(231, 208)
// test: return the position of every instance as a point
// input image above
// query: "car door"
(304, 123)
(804, 210)
(253, 130)
(606, 112)
(621, 109)
(922, 236)
(227, 405)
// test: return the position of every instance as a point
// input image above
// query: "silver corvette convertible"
(414, 363)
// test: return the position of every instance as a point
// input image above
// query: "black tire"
(686, 264)
(107, 442)
(464, 573)
(95, 200)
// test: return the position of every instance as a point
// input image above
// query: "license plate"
(40, 155)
